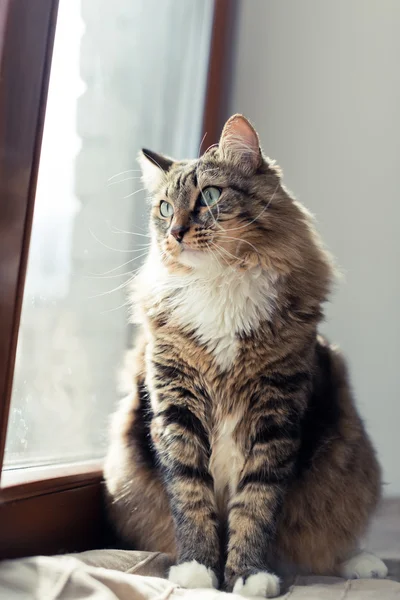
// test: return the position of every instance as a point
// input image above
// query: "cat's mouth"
(185, 247)
(192, 256)
(189, 253)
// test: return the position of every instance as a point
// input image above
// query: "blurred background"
(321, 83)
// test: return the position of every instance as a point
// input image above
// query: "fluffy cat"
(239, 449)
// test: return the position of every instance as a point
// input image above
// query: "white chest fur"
(226, 460)
(216, 303)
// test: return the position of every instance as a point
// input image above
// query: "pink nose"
(178, 232)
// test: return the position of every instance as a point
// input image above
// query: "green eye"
(209, 196)
(166, 209)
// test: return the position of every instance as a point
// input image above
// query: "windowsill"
(34, 481)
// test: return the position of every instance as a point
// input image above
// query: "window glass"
(125, 74)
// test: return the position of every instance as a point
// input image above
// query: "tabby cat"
(239, 449)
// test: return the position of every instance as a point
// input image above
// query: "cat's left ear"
(239, 143)
(154, 168)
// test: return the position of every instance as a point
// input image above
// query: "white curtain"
(125, 74)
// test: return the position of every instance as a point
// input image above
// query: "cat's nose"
(178, 231)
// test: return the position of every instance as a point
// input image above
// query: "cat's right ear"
(154, 168)
(239, 144)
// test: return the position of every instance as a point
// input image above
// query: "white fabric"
(66, 578)
(75, 577)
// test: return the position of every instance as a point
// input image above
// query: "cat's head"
(226, 208)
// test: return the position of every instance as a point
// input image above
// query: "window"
(124, 75)
(110, 93)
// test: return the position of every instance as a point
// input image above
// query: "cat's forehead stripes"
(186, 175)
(181, 187)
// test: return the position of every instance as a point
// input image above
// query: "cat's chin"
(194, 258)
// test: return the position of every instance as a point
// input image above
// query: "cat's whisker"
(215, 219)
(212, 146)
(124, 264)
(123, 173)
(258, 216)
(96, 276)
(201, 143)
(111, 248)
(212, 216)
(221, 254)
(209, 208)
(214, 253)
(122, 180)
(104, 312)
(118, 230)
(116, 289)
(227, 237)
(205, 171)
(131, 277)
(114, 229)
(134, 193)
(225, 251)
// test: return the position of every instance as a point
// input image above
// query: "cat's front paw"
(262, 585)
(363, 565)
(193, 574)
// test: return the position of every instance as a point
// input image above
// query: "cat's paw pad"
(261, 585)
(363, 566)
(192, 575)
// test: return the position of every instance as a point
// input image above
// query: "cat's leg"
(183, 449)
(362, 565)
(251, 523)
(254, 509)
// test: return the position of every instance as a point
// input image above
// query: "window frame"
(63, 509)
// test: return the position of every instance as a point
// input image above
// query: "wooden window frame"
(60, 510)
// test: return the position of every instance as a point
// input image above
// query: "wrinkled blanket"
(125, 575)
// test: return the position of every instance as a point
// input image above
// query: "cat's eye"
(166, 209)
(209, 196)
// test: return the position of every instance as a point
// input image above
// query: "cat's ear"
(239, 143)
(154, 168)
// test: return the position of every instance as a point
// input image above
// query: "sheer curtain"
(125, 74)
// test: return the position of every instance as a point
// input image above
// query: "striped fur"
(240, 433)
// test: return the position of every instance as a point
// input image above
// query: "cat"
(239, 448)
